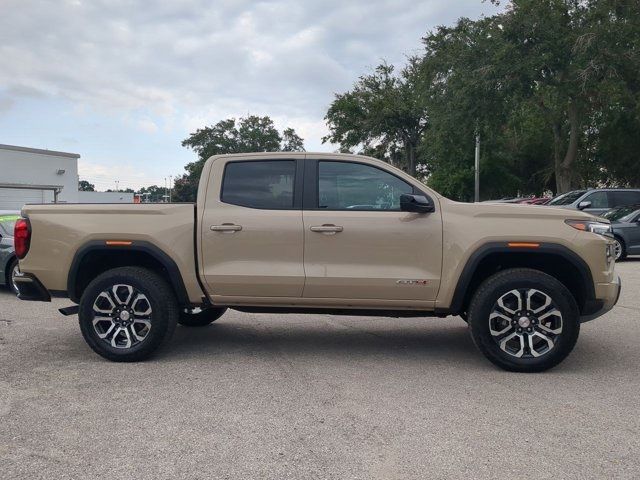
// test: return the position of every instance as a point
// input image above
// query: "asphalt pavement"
(316, 396)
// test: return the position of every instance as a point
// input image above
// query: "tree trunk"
(411, 158)
(565, 176)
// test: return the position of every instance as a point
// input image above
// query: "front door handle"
(327, 228)
(226, 227)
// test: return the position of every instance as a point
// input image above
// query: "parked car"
(625, 222)
(535, 200)
(341, 234)
(596, 201)
(8, 259)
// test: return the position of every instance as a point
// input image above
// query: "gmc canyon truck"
(320, 233)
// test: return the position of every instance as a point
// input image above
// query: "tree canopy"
(248, 134)
(551, 86)
(85, 186)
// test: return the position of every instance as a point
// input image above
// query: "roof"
(39, 151)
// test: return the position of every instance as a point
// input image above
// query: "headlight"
(591, 226)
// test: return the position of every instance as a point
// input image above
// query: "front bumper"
(30, 288)
(608, 295)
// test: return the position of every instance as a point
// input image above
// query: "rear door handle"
(327, 228)
(226, 227)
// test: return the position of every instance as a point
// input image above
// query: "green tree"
(85, 186)
(249, 134)
(385, 113)
(152, 194)
(552, 88)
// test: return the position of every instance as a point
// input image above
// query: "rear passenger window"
(625, 198)
(264, 184)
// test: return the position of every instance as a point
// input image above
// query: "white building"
(105, 197)
(32, 175)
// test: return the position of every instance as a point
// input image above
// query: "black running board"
(73, 310)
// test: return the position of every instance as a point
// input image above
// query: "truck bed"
(64, 230)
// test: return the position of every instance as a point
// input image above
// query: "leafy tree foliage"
(385, 112)
(551, 86)
(85, 186)
(152, 194)
(250, 134)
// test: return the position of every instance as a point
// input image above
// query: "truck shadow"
(321, 340)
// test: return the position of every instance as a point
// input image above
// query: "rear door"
(251, 228)
(358, 244)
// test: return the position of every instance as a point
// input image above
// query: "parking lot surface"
(316, 396)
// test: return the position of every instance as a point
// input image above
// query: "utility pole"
(166, 196)
(170, 187)
(477, 186)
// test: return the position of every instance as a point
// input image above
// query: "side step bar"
(73, 310)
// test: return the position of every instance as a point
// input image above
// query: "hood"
(517, 210)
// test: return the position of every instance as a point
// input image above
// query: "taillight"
(22, 237)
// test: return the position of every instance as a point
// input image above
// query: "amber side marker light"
(118, 243)
(522, 245)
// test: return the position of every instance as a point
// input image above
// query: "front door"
(358, 244)
(251, 229)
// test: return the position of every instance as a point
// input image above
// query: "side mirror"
(583, 205)
(415, 203)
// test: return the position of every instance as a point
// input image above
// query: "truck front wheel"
(127, 313)
(524, 320)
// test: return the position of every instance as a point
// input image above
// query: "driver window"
(356, 186)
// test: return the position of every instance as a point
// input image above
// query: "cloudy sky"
(122, 82)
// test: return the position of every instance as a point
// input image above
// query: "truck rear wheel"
(202, 318)
(127, 313)
(524, 320)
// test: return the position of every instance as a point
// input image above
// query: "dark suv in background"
(597, 201)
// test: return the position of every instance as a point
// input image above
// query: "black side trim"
(338, 311)
(174, 277)
(32, 291)
(502, 247)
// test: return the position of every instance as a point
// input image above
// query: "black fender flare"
(586, 278)
(175, 277)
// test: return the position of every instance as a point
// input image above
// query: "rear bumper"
(31, 289)
(608, 295)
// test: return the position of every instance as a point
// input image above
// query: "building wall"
(26, 166)
(105, 197)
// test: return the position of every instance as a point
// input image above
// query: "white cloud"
(179, 65)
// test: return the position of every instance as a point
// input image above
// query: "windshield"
(7, 222)
(621, 213)
(567, 198)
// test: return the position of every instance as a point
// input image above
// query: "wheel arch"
(96, 257)
(553, 259)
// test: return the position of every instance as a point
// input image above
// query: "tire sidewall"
(622, 249)
(163, 316)
(12, 265)
(493, 290)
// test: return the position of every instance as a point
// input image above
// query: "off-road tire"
(495, 287)
(201, 319)
(164, 312)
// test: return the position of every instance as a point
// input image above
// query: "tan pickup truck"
(328, 233)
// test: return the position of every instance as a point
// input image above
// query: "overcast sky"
(122, 82)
